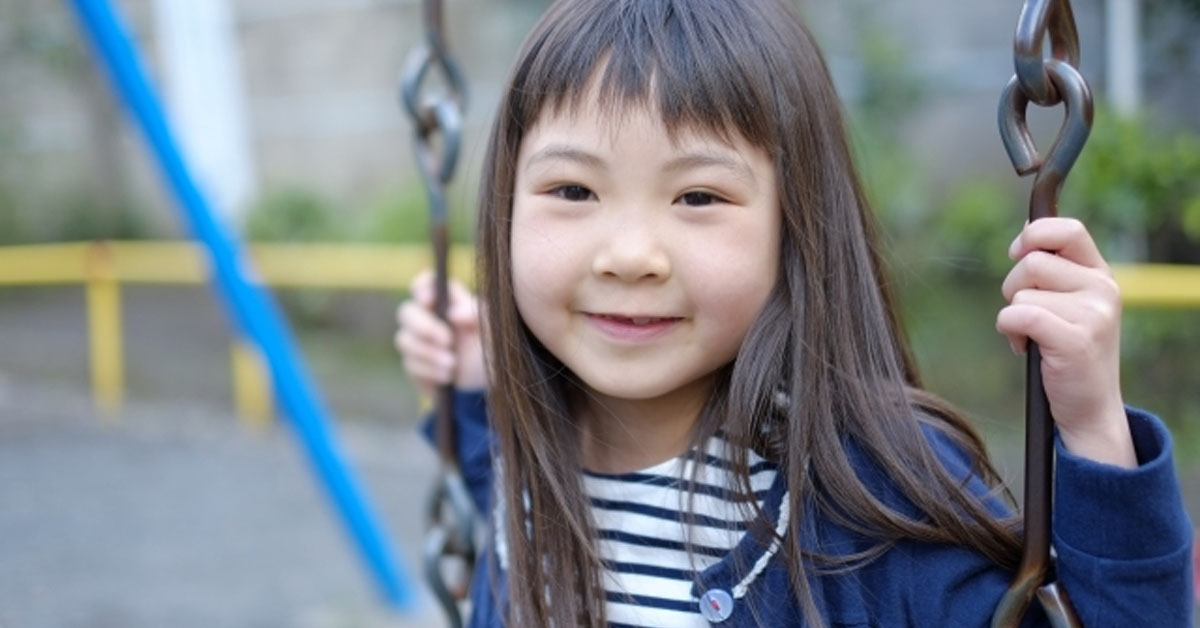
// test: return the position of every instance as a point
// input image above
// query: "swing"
(449, 553)
(1046, 82)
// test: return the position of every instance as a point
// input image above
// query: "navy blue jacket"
(1122, 538)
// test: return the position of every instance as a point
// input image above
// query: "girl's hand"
(1061, 294)
(434, 354)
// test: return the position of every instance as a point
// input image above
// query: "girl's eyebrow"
(568, 153)
(689, 161)
(704, 159)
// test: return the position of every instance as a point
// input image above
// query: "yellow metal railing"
(101, 267)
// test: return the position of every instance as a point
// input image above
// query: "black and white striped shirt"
(645, 530)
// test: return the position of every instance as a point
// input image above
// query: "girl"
(701, 404)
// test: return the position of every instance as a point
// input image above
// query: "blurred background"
(166, 504)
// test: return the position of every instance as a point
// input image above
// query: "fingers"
(463, 309)
(1065, 236)
(1061, 292)
(1021, 322)
(426, 344)
(1060, 322)
(422, 288)
(1047, 271)
(435, 351)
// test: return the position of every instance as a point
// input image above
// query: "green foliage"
(298, 215)
(403, 216)
(73, 215)
(81, 216)
(889, 93)
(889, 89)
(294, 215)
(978, 219)
(1138, 187)
(12, 231)
(1159, 368)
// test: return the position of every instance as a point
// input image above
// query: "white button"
(716, 605)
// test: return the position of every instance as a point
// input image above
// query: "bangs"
(702, 67)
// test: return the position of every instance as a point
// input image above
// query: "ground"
(173, 513)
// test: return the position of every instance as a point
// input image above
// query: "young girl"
(699, 401)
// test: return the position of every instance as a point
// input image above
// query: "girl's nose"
(631, 253)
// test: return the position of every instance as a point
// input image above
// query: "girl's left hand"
(1062, 295)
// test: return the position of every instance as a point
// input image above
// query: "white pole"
(1123, 32)
(205, 100)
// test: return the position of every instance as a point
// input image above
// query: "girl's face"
(639, 262)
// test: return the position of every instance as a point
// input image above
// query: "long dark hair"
(828, 340)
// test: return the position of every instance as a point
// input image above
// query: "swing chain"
(442, 113)
(449, 554)
(1045, 82)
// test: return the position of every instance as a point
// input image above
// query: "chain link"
(1045, 82)
(449, 556)
(1039, 18)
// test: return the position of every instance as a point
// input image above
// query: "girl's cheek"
(538, 255)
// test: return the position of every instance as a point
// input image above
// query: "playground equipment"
(1045, 82)
(250, 305)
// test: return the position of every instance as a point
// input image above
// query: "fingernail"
(1014, 247)
(1012, 344)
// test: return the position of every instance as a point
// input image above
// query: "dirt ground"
(174, 514)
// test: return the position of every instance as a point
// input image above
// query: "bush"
(74, 215)
(403, 216)
(83, 217)
(12, 230)
(1138, 188)
(293, 215)
(298, 215)
(976, 222)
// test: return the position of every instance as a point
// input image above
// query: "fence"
(101, 268)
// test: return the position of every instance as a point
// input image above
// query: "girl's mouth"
(633, 328)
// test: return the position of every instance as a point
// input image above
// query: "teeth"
(641, 320)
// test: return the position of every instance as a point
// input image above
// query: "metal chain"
(1046, 82)
(437, 120)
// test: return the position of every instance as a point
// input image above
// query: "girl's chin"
(630, 387)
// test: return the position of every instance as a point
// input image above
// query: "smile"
(633, 328)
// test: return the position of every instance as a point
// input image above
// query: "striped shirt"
(645, 531)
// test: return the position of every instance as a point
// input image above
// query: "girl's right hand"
(436, 353)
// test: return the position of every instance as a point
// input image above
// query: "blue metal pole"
(252, 307)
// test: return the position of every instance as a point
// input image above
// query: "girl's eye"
(697, 199)
(573, 193)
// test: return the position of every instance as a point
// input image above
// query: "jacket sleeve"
(475, 445)
(1122, 538)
